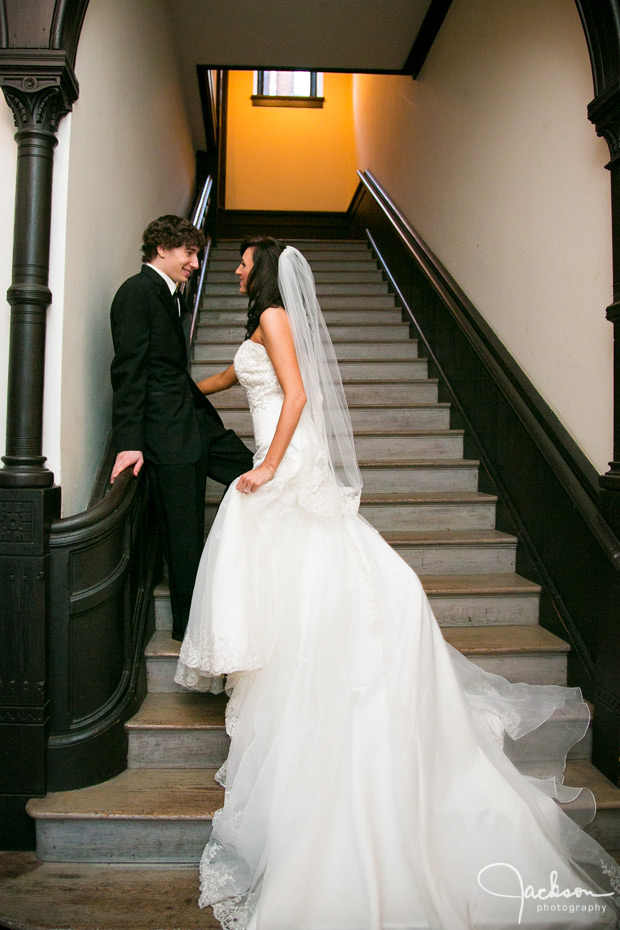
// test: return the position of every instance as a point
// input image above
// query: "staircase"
(421, 493)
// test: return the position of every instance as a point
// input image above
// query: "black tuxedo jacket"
(155, 401)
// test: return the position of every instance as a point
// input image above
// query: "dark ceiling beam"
(429, 29)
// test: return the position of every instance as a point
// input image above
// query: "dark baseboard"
(547, 488)
(283, 224)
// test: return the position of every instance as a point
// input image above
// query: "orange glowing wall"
(281, 158)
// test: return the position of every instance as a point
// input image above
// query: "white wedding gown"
(366, 785)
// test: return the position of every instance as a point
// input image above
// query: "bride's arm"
(278, 340)
(219, 382)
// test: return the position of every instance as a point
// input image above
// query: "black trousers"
(178, 493)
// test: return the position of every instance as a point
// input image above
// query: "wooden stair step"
(519, 653)
(79, 896)
(352, 371)
(421, 498)
(166, 734)
(180, 711)
(328, 302)
(605, 828)
(442, 552)
(417, 390)
(323, 288)
(507, 640)
(482, 599)
(366, 273)
(324, 256)
(427, 416)
(457, 600)
(417, 464)
(482, 585)
(167, 794)
(141, 815)
(450, 538)
(178, 729)
(429, 510)
(352, 243)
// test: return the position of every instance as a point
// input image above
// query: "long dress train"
(367, 786)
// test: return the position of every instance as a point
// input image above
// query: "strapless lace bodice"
(257, 376)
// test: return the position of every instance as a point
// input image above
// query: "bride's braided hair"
(262, 282)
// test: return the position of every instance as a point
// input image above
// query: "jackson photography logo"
(551, 899)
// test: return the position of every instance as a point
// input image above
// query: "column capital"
(39, 86)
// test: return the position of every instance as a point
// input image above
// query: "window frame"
(261, 99)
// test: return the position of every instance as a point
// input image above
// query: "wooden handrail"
(493, 354)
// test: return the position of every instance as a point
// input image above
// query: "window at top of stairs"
(288, 89)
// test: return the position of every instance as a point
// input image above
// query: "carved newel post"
(40, 88)
(604, 112)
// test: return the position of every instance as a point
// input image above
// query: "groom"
(159, 416)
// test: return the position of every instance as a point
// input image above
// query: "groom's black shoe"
(177, 636)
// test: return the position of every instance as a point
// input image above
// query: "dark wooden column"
(40, 87)
(604, 111)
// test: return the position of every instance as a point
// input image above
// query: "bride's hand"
(253, 480)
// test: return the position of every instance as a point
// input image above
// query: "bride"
(367, 786)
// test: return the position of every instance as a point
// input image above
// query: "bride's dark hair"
(262, 282)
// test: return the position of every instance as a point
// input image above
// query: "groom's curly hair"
(170, 232)
(262, 282)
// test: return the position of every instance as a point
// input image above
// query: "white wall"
(491, 156)
(130, 160)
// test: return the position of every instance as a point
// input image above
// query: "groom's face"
(179, 263)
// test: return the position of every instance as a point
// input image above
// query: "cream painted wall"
(8, 151)
(491, 156)
(282, 158)
(130, 159)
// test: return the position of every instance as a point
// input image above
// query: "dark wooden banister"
(475, 328)
(547, 489)
(102, 564)
(110, 505)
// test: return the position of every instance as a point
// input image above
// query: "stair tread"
(387, 433)
(377, 405)
(80, 896)
(449, 538)
(137, 794)
(181, 794)
(214, 492)
(503, 640)
(418, 463)
(491, 584)
(483, 583)
(354, 324)
(583, 774)
(470, 640)
(179, 711)
(428, 497)
(182, 714)
(337, 340)
(369, 381)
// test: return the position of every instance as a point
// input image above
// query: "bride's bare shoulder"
(274, 321)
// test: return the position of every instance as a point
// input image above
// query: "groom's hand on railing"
(124, 460)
